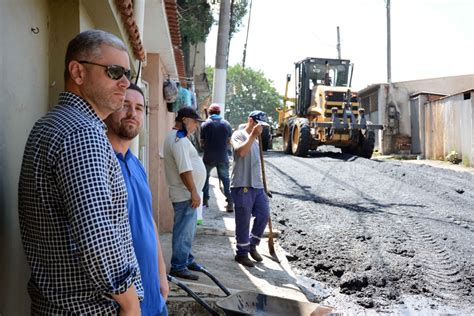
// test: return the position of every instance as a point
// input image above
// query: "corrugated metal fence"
(449, 125)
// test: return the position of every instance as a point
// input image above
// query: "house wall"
(444, 85)
(401, 92)
(160, 123)
(399, 95)
(448, 126)
(24, 91)
(85, 20)
(32, 63)
(197, 58)
(417, 118)
(65, 23)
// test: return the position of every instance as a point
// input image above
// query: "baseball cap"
(214, 107)
(189, 113)
(260, 117)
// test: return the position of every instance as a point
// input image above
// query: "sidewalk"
(214, 248)
(434, 163)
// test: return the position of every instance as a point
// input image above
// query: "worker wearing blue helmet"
(250, 199)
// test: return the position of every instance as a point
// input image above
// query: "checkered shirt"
(73, 215)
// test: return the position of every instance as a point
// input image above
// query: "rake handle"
(271, 246)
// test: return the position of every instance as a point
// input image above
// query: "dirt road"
(376, 235)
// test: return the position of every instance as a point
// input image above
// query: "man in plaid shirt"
(72, 196)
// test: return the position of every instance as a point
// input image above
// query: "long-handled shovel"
(271, 246)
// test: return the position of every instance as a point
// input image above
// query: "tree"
(238, 10)
(248, 90)
(196, 18)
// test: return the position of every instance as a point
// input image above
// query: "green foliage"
(454, 157)
(248, 90)
(238, 12)
(195, 20)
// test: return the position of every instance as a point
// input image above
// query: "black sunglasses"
(114, 72)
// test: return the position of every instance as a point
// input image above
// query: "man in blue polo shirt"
(123, 126)
(215, 138)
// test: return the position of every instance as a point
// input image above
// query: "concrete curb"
(214, 248)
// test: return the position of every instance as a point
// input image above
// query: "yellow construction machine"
(325, 111)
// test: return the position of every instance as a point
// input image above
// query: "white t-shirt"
(181, 156)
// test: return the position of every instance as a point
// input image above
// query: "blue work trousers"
(249, 202)
(184, 230)
(164, 311)
(223, 174)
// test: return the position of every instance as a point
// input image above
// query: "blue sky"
(430, 38)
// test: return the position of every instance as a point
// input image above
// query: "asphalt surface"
(376, 235)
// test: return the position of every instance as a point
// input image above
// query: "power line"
(247, 37)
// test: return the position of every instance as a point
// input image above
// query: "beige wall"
(197, 60)
(401, 96)
(449, 125)
(24, 91)
(447, 85)
(160, 122)
(86, 22)
(32, 64)
(444, 85)
(64, 25)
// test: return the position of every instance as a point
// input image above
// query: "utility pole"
(392, 110)
(338, 44)
(389, 48)
(220, 71)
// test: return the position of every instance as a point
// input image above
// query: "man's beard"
(127, 133)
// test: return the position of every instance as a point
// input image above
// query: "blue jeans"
(184, 230)
(249, 202)
(223, 174)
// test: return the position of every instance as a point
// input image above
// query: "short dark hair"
(87, 45)
(133, 86)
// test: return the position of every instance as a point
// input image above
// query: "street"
(380, 235)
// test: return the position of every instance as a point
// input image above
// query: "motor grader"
(324, 111)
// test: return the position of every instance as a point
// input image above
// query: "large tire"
(266, 138)
(287, 139)
(367, 144)
(301, 138)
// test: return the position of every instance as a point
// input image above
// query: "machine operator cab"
(313, 72)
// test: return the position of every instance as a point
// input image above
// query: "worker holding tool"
(247, 189)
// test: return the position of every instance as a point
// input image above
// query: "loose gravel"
(376, 235)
